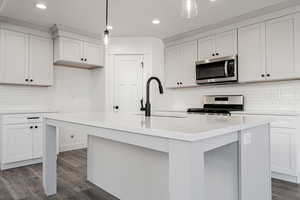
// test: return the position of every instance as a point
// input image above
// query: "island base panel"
(134, 173)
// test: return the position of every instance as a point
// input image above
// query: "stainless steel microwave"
(217, 70)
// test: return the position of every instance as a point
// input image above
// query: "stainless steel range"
(220, 104)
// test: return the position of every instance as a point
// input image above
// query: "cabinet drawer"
(285, 122)
(21, 118)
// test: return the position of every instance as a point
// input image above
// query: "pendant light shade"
(189, 9)
(106, 31)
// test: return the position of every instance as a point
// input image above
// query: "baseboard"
(5, 166)
(285, 177)
(72, 147)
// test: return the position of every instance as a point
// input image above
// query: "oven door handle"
(226, 68)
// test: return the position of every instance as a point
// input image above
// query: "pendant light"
(189, 9)
(106, 31)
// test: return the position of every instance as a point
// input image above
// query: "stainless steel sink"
(167, 116)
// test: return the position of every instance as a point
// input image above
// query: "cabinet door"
(37, 140)
(71, 50)
(14, 57)
(226, 43)
(280, 48)
(173, 66)
(189, 57)
(40, 61)
(93, 54)
(17, 143)
(283, 158)
(205, 48)
(251, 54)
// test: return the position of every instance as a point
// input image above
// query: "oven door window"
(211, 70)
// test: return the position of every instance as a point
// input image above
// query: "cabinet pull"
(31, 80)
(217, 54)
(262, 75)
(33, 117)
(26, 79)
(213, 54)
(36, 127)
(81, 59)
(268, 75)
(85, 60)
(31, 127)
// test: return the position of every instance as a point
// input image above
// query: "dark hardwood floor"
(25, 183)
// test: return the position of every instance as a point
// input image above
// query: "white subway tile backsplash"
(283, 95)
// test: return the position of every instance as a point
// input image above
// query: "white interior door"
(128, 82)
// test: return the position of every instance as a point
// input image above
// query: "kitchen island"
(168, 156)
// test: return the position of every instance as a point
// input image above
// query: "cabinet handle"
(81, 59)
(213, 54)
(262, 75)
(36, 127)
(31, 127)
(26, 79)
(85, 60)
(31, 80)
(217, 54)
(268, 75)
(180, 83)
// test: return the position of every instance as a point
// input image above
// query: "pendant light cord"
(106, 14)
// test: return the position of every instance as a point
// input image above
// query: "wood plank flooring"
(25, 183)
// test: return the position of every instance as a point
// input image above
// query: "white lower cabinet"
(285, 147)
(17, 143)
(21, 140)
(283, 151)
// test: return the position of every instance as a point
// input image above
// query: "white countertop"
(25, 111)
(253, 112)
(182, 127)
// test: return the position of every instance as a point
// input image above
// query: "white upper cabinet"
(41, 61)
(93, 54)
(25, 59)
(71, 50)
(14, 57)
(78, 53)
(251, 54)
(206, 48)
(180, 65)
(267, 51)
(219, 45)
(189, 55)
(226, 43)
(173, 64)
(280, 40)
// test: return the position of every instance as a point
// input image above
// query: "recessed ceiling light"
(212, 0)
(155, 21)
(41, 6)
(109, 27)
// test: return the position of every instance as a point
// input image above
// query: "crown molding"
(22, 23)
(62, 30)
(282, 8)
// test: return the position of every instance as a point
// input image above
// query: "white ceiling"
(129, 17)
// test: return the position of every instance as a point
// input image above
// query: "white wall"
(72, 91)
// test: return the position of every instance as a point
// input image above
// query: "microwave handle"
(226, 68)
